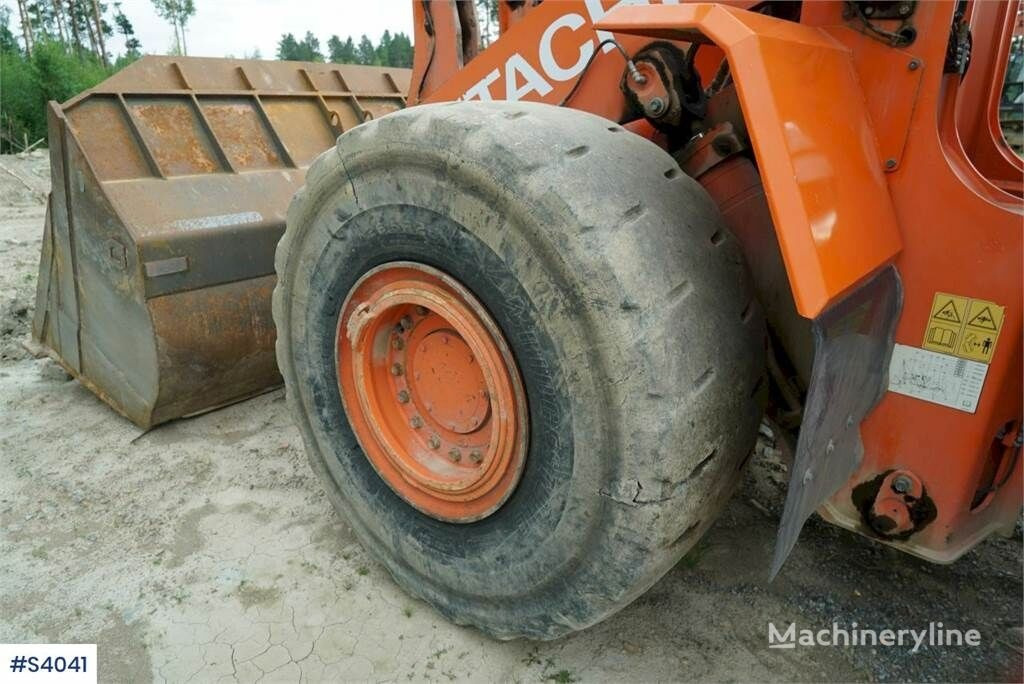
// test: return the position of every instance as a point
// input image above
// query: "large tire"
(629, 313)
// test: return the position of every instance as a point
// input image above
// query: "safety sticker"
(964, 327)
(938, 378)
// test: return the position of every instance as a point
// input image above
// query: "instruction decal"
(964, 327)
(938, 378)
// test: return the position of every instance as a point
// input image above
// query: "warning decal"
(964, 327)
(937, 378)
(948, 312)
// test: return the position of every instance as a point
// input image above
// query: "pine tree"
(309, 48)
(367, 54)
(125, 28)
(8, 43)
(342, 52)
(288, 47)
(383, 49)
(305, 50)
(401, 51)
(177, 12)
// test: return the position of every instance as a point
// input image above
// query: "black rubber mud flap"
(853, 344)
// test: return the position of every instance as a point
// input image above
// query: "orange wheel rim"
(432, 391)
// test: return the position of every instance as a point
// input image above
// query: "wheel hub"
(445, 380)
(432, 391)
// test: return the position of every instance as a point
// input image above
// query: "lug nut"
(416, 422)
(406, 322)
(901, 484)
(398, 343)
(475, 456)
(435, 442)
(422, 311)
(656, 107)
(403, 397)
(455, 455)
(397, 369)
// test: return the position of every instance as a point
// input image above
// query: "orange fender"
(812, 136)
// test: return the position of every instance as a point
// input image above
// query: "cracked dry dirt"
(206, 551)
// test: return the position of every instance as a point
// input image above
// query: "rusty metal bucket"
(171, 181)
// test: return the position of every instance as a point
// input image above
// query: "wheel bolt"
(902, 484)
(435, 442)
(455, 455)
(416, 422)
(403, 397)
(475, 456)
(397, 369)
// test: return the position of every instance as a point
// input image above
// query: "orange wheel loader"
(529, 324)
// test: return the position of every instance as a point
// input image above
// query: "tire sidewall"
(527, 539)
(631, 453)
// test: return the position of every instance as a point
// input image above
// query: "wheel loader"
(533, 304)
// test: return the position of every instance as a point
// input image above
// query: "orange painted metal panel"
(963, 236)
(812, 135)
(542, 56)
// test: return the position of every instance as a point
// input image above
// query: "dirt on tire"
(624, 299)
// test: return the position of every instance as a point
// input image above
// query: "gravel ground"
(207, 550)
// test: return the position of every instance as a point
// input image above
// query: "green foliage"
(393, 50)
(8, 43)
(400, 51)
(26, 85)
(366, 52)
(125, 28)
(177, 12)
(342, 53)
(287, 47)
(305, 50)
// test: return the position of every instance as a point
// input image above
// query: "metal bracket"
(886, 9)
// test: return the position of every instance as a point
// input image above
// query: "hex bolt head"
(455, 455)
(396, 369)
(435, 442)
(901, 484)
(422, 311)
(416, 422)
(890, 164)
(869, 10)
(656, 106)
(904, 10)
(406, 322)
(914, 64)
(722, 145)
(475, 456)
(403, 397)
(397, 343)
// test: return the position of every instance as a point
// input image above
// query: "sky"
(238, 27)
